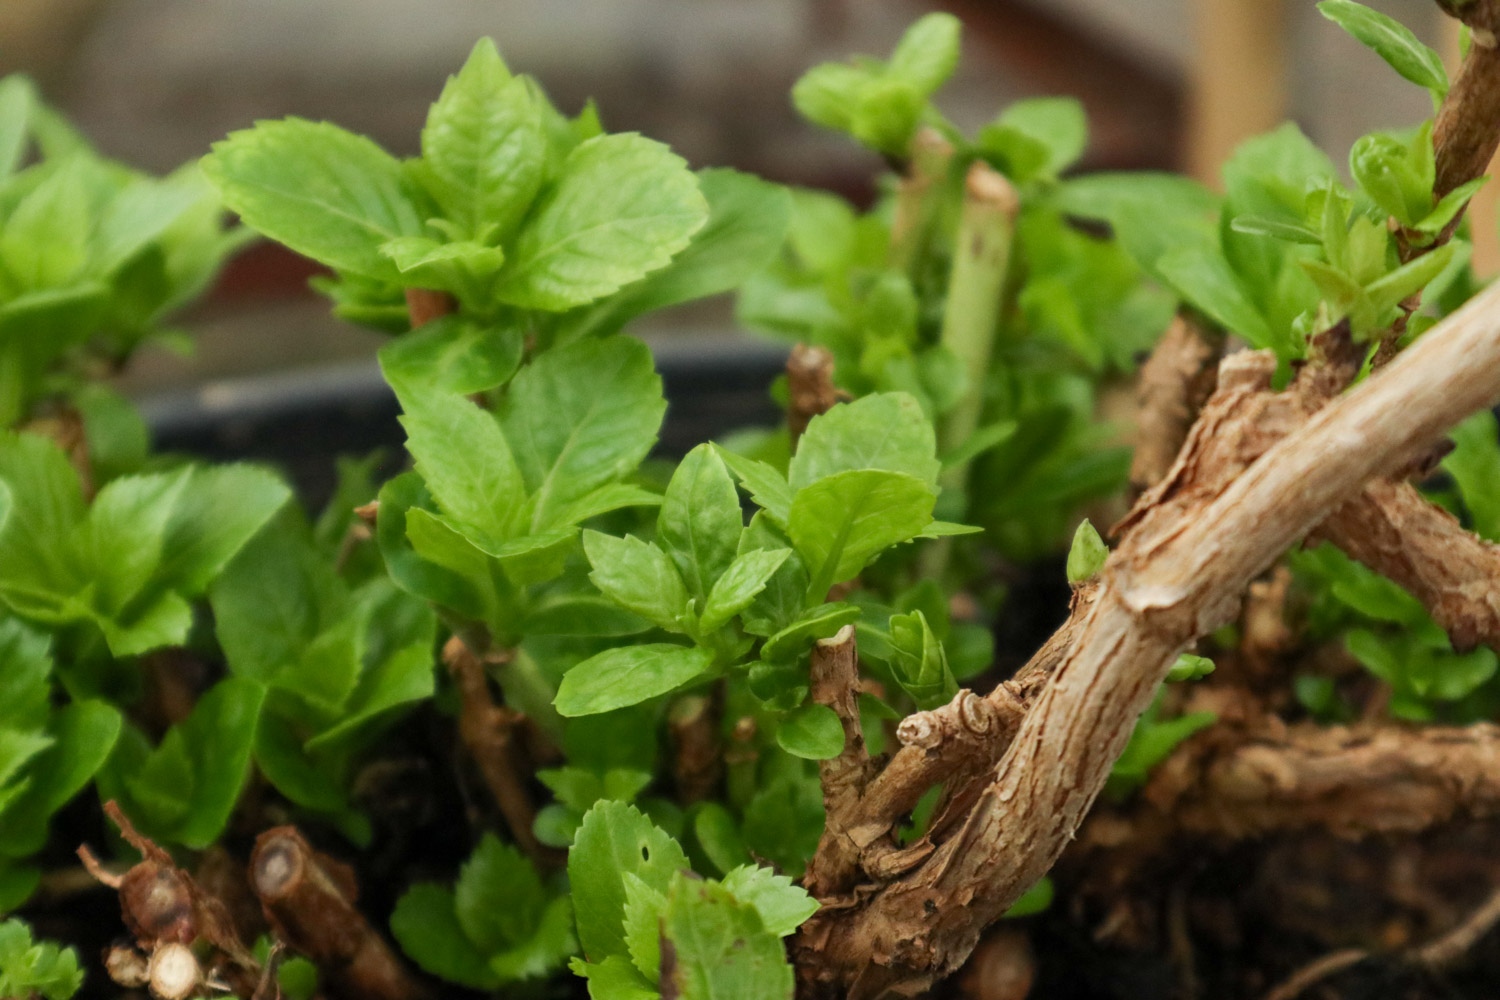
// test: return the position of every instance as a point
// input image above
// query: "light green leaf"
(642, 923)
(637, 576)
(483, 150)
(580, 416)
(326, 193)
(720, 948)
(40, 970)
(454, 355)
(812, 732)
(919, 662)
(767, 486)
(220, 509)
(1392, 41)
(610, 496)
(1206, 281)
(745, 578)
(628, 675)
(1474, 465)
(719, 837)
(465, 461)
(463, 267)
(886, 431)
(1385, 292)
(843, 521)
(17, 96)
(1057, 124)
(83, 735)
(747, 220)
(782, 906)
(700, 521)
(620, 209)
(819, 622)
(615, 978)
(927, 54)
(615, 838)
(1449, 206)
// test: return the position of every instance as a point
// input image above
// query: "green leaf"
(843, 521)
(1474, 465)
(464, 459)
(613, 839)
(580, 416)
(220, 509)
(1397, 175)
(740, 584)
(812, 732)
(1449, 206)
(1392, 41)
(628, 675)
(454, 355)
(42, 970)
(818, 622)
(1208, 282)
(700, 521)
(720, 948)
(1256, 225)
(747, 221)
(767, 487)
(719, 836)
(185, 789)
(782, 906)
(1409, 278)
(83, 734)
(885, 431)
(1343, 294)
(483, 151)
(927, 54)
(1087, 554)
(425, 924)
(1056, 124)
(642, 925)
(499, 897)
(637, 576)
(615, 978)
(621, 207)
(463, 267)
(326, 193)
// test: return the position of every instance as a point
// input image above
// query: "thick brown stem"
(1399, 533)
(1175, 382)
(309, 900)
(425, 305)
(1179, 573)
(1467, 129)
(697, 751)
(810, 388)
(489, 732)
(835, 684)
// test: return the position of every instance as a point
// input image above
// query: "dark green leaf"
(615, 838)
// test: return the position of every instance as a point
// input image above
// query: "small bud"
(1087, 554)
(1189, 668)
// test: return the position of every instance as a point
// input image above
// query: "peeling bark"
(835, 683)
(1259, 471)
(1174, 383)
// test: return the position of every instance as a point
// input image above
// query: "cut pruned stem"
(1177, 574)
(835, 684)
(425, 305)
(810, 388)
(309, 900)
(919, 198)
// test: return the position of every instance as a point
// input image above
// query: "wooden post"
(1238, 79)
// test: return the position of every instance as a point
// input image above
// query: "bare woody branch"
(309, 899)
(835, 683)
(1179, 573)
(488, 732)
(1174, 383)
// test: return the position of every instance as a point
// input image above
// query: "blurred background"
(1168, 84)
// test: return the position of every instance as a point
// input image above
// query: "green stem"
(918, 200)
(972, 313)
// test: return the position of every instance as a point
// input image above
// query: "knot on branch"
(967, 716)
